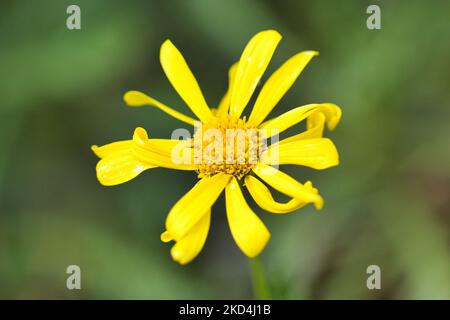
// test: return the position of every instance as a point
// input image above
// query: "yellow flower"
(188, 221)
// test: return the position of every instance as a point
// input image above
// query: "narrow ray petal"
(118, 164)
(193, 205)
(160, 152)
(287, 185)
(288, 119)
(182, 79)
(314, 153)
(252, 64)
(278, 84)
(315, 124)
(263, 197)
(249, 232)
(123, 146)
(188, 247)
(224, 104)
(138, 99)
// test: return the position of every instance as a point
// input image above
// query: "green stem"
(260, 288)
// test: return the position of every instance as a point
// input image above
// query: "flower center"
(226, 144)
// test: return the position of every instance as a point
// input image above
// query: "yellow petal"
(122, 161)
(188, 247)
(315, 124)
(138, 99)
(190, 208)
(252, 64)
(278, 84)
(249, 232)
(288, 119)
(166, 236)
(287, 185)
(160, 151)
(315, 153)
(119, 165)
(224, 104)
(114, 147)
(182, 79)
(263, 197)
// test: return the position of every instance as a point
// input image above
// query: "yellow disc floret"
(226, 144)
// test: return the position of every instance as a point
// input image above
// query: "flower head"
(229, 151)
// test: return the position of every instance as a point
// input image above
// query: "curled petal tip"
(166, 236)
(178, 257)
(140, 135)
(333, 122)
(319, 203)
(135, 98)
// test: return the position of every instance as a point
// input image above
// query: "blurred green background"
(386, 204)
